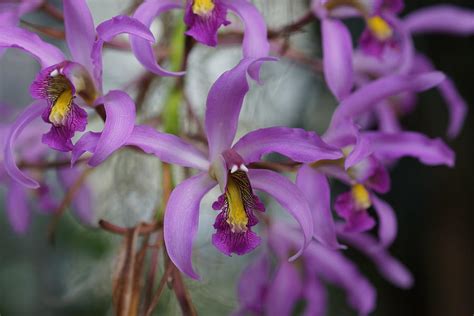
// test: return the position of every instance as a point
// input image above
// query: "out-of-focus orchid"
(12, 10)
(264, 289)
(226, 166)
(204, 18)
(60, 81)
(18, 197)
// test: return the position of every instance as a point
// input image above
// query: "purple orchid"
(264, 290)
(12, 10)
(227, 166)
(60, 81)
(366, 155)
(204, 18)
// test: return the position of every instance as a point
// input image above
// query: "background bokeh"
(434, 205)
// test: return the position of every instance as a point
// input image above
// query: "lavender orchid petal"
(368, 96)
(224, 102)
(390, 268)
(335, 268)
(182, 218)
(441, 19)
(87, 143)
(45, 53)
(80, 31)
(337, 62)
(387, 229)
(143, 49)
(284, 291)
(290, 197)
(167, 147)
(316, 190)
(457, 107)
(394, 146)
(29, 114)
(119, 124)
(255, 43)
(107, 30)
(253, 284)
(315, 295)
(17, 207)
(294, 143)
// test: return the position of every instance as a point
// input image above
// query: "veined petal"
(119, 124)
(389, 267)
(255, 43)
(441, 19)
(295, 143)
(168, 148)
(142, 48)
(315, 187)
(337, 61)
(410, 144)
(107, 30)
(387, 227)
(29, 114)
(224, 102)
(284, 291)
(367, 97)
(80, 31)
(289, 197)
(45, 53)
(182, 219)
(17, 207)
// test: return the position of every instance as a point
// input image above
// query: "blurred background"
(434, 204)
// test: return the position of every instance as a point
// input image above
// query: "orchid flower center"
(60, 94)
(380, 28)
(361, 196)
(203, 7)
(240, 200)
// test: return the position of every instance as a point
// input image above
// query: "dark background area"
(434, 205)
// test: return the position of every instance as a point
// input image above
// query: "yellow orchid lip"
(237, 191)
(380, 28)
(203, 7)
(361, 196)
(61, 96)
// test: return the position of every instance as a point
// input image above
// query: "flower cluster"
(375, 83)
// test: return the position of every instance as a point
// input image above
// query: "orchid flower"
(365, 157)
(264, 290)
(227, 165)
(11, 11)
(203, 19)
(60, 81)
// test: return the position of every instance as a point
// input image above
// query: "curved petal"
(337, 57)
(441, 19)
(255, 43)
(284, 291)
(87, 142)
(334, 267)
(107, 30)
(169, 148)
(389, 267)
(295, 143)
(315, 187)
(45, 53)
(142, 48)
(29, 114)
(367, 97)
(80, 32)
(289, 197)
(182, 219)
(387, 229)
(119, 124)
(17, 207)
(410, 144)
(224, 102)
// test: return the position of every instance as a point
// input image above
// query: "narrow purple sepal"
(26, 117)
(18, 213)
(182, 218)
(337, 61)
